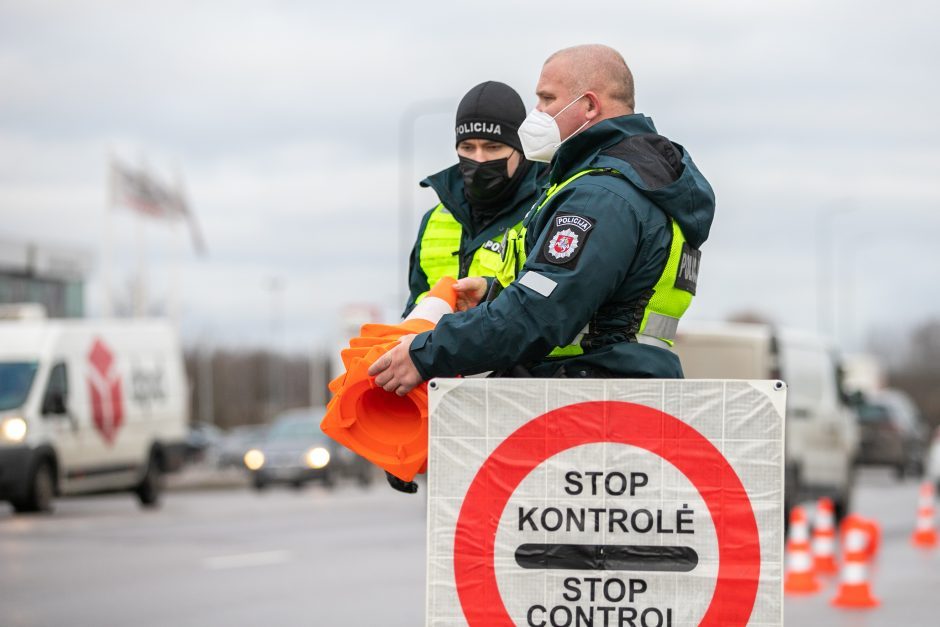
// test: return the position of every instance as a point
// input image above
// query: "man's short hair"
(599, 68)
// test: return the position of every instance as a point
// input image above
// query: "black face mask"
(484, 181)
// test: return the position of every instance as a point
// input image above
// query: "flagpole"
(176, 275)
(108, 252)
(140, 286)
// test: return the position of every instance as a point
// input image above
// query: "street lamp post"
(406, 158)
(275, 287)
(826, 315)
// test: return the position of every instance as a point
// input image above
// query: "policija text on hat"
(606, 261)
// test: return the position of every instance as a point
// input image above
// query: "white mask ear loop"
(577, 130)
(565, 108)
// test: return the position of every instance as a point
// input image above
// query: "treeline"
(243, 387)
(240, 387)
(916, 369)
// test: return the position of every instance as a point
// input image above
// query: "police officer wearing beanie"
(487, 192)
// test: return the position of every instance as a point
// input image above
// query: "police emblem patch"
(562, 245)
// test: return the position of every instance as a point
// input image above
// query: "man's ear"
(594, 105)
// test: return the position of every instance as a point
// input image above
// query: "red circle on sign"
(618, 422)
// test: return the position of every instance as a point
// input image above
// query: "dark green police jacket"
(456, 255)
(595, 253)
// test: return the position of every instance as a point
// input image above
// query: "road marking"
(246, 560)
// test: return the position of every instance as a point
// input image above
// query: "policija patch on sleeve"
(566, 239)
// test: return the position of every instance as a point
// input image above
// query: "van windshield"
(15, 380)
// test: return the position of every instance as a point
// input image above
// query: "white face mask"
(540, 135)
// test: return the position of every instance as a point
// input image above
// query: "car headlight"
(13, 429)
(254, 459)
(317, 457)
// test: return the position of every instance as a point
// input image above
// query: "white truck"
(89, 406)
(822, 435)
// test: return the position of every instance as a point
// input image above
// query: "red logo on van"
(105, 387)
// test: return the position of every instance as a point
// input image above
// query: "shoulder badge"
(566, 240)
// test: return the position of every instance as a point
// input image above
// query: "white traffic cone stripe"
(855, 540)
(854, 572)
(800, 561)
(799, 534)
(925, 522)
(824, 521)
(824, 545)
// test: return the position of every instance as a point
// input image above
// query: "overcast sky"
(284, 122)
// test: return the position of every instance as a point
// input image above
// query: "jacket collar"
(577, 152)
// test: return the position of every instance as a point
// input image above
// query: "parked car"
(238, 441)
(294, 451)
(202, 442)
(89, 406)
(933, 459)
(821, 432)
(892, 433)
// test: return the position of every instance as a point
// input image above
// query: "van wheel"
(41, 491)
(151, 486)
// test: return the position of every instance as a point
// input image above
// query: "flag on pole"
(138, 190)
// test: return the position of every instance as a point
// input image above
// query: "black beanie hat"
(493, 111)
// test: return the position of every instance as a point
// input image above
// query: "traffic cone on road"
(925, 533)
(870, 526)
(801, 576)
(824, 538)
(854, 587)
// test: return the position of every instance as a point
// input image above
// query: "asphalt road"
(349, 558)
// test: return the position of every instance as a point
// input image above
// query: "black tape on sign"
(675, 559)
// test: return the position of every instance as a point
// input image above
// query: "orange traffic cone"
(389, 430)
(824, 538)
(925, 533)
(854, 588)
(800, 577)
(870, 527)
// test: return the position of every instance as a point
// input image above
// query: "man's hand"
(394, 371)
(470, 291)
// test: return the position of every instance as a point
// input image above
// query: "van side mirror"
(54, 403)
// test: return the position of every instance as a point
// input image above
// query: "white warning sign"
(603, 503)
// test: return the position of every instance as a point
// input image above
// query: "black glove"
(408, 487)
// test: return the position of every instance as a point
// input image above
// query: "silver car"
(294, 451)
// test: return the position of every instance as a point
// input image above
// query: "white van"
(821, 431)
(88, 406)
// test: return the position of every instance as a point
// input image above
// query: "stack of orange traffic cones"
(389, 430)
(854, 587)
(800, 576)
(925, 533)
(824, 538)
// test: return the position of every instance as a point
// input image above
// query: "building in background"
(52, 276)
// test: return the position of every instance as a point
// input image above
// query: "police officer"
(606, 262)
(487, 192)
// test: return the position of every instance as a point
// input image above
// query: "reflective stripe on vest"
(440, 250)
(662, 313)
(668, 302)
